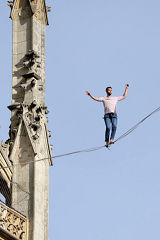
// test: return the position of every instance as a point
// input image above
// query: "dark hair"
(107, 88)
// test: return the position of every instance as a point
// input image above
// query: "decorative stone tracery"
(22, 9)
(13, 223)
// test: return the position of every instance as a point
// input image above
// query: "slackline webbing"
(136, 125)
(89, 149)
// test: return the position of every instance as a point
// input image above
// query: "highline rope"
(89, 149)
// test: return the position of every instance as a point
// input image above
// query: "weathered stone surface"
(29, 148)
(30, 195)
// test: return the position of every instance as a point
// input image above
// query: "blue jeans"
(110, 120)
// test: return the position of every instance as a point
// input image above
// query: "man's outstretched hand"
(88, 93)
(93, 97)
(127, 85)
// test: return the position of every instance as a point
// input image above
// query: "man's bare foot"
(107, 144)
(111, 142)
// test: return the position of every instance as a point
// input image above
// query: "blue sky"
(90, 45)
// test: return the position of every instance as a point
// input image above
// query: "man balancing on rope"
(110, 115)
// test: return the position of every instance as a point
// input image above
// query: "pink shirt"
(110, 103)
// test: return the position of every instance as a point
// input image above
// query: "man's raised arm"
(125, 91)
(93, 97)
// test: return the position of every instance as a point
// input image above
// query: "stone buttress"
(29, 137)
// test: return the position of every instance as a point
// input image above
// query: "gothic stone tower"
(29, 137)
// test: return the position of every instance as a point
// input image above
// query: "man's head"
(109, 91)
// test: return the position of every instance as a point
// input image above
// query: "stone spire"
(29, 137)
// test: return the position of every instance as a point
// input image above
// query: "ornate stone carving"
(10, 4)
(34, 119)
(29, 110)
(51, 147)
(5, 148)
(3, 214)
(40, 16)
(31, 59)
(21, 13)
(32, 63)
(13, 222)
(17, 111)
(41, 12)
(49, 133)
(48, 9)
(20, 9)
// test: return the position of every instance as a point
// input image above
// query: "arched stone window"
(5, 195)
(2, 198)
